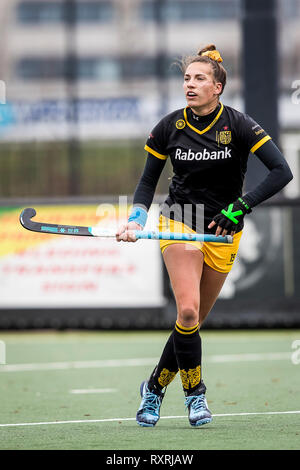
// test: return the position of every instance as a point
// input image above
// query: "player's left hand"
(230, 218)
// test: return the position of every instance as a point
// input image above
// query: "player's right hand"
(125, 233)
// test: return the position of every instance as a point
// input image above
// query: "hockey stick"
(43, 227)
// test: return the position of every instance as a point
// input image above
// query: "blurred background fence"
(83, 82)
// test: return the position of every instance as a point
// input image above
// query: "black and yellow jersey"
(209, 157)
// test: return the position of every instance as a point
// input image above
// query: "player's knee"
(188, 315)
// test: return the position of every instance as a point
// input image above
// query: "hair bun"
(209, 47)
(211, 52)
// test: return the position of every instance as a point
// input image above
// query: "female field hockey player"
(208, 144)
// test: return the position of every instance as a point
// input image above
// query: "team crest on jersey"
(225, 137)
(180, 124)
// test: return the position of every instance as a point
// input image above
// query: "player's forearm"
(145, 189)
(280, 175)
(144, 194)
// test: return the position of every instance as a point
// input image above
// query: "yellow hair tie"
(214, 55)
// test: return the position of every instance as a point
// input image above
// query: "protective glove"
(230, 219)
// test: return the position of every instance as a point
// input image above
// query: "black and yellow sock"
(167, 367)
(188, 350)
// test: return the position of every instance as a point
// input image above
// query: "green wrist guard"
(235, 210)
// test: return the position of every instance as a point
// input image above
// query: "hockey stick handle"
(197, 237)
(154, 235)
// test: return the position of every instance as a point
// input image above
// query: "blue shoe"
(198, 411)
(148, 412)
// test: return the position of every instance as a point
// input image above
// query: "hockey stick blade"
(28, 213)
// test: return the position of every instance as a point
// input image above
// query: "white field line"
(84, 391)
(110, 420)
(277, 356)
(78, 364)
(251, 357)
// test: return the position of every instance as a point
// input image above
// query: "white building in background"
(116, 44)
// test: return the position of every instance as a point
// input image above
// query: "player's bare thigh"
(211, 284)
(184, 266)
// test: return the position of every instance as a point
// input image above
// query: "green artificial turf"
(258, 383)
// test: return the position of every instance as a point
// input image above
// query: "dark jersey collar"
(197, 122)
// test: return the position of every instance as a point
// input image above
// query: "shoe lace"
(197, 402)
(151, 402)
